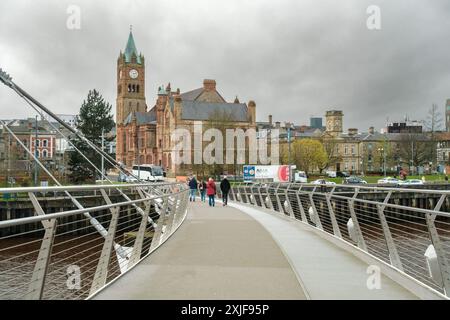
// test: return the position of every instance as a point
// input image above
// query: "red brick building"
(143, 133)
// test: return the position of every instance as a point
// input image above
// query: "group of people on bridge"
(209, 189)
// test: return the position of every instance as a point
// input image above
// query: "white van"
(300, 177)
(148, 172)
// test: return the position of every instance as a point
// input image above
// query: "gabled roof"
(191, 95)
(141, 117)
(195, 110)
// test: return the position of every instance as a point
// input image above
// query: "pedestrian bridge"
(272, 241)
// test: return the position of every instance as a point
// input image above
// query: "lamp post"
(384, 160)
(289, 152)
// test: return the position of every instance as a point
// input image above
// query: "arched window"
(45, 143)
(38, 143)
(137, 88)
(44, 153)
(129, 88)
(133, 88)
(38, 153)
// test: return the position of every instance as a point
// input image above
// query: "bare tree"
(434, 119)
(416, 149)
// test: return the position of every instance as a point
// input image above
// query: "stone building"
(144, 133)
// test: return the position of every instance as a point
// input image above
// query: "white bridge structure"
(272, 241)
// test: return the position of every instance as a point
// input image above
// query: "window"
(346, 166)
(44, 153)
(38, 153)
(353, 149)
(129, 88)
(129, 104)
(345, 150)
(353, 165)
(45, 143)
(137, 88)
(38, 143)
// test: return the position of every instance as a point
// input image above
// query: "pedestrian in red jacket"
(211, 192)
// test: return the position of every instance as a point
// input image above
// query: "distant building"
(315, 123)
(405, 127)
(70, 119)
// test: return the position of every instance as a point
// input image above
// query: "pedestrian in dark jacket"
(211, 192)
(202, 188)
(193, 189)
(225, 188)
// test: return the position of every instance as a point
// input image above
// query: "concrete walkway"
(324, 270)
(217, 253)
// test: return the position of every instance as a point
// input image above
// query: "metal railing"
(408, 229)
(70, 245)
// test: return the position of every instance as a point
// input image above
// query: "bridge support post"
(336, 230)
(314, 209)
(300, 206)
(280, 208)
(171, 216)
(36, 286)
(138, 242)
(440, 252)
(393, 254)
(289, 206)
(351, 207)
(101, 272)
(157, 236)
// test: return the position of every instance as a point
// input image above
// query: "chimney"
(209, 84)
(270, 120)
(277, 124)
(352, 131)
(371, 130)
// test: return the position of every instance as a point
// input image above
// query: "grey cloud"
(294, 58)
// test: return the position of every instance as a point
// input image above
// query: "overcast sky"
(296, 58)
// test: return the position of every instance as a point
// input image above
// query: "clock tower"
(130, 82)
(334, 122)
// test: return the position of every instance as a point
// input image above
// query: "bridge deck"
(224, 253)
(218, 253)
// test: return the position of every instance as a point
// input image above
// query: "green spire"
(131, 49)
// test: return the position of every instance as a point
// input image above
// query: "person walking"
(211, 192)
(193, 189)
(225, 188)
(202, 188)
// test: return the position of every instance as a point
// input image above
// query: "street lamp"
(384, 160)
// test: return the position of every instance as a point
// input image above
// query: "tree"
(331, 148)
(94, 117)
(416, 149)
(307, 154)
(434, 119)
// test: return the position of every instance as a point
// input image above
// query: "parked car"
(411, 182)
(354, 180)
(342, 174)
(388, 180)
(331, 174)
(323, 181)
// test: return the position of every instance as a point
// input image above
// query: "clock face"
(133, 74)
